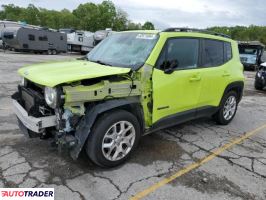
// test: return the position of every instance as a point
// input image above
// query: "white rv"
(79, 41)
(101, 34)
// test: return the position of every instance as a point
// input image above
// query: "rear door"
(215, 71)
(176, 94)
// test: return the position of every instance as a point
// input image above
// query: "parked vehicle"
(260, 79)
(67, 30)
(132, 83)
(37, 40)
(7, 24)
(79, 41)
(250, 54)
(101, 34)
(1, 42)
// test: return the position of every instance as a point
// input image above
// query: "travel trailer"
(34, 39)
(7, 24)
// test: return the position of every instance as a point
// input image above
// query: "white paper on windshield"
(145, 36)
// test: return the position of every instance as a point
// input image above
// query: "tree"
(87, 16)
(12, 12)
(133, 26)
(148, 26)
(120, 21)
(30, 15)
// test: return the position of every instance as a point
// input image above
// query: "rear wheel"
(114, 137)
(228, 108)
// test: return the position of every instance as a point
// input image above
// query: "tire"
(104, 132)
(49, 52)
(258, 85)
(54, 52)
(220, 117)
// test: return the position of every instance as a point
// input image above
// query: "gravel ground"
(237, 173)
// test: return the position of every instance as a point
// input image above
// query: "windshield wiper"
(101, 62)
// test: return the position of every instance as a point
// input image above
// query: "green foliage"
(148, 26)
(243, 33)
(87, 16)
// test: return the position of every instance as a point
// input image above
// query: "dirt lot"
(237, 173)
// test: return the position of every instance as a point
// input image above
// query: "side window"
(212, 53)
(227, 51)
(43, 38)
(31, 37)
(181, 51)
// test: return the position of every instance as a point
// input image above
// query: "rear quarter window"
(227, 51)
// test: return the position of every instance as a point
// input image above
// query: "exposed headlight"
(23, 81)
(50, 95)
(259, 74)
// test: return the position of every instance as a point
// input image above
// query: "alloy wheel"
(229, 107)
(118, 140)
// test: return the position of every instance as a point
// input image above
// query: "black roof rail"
(180, 29)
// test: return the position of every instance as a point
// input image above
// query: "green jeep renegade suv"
(131, 84)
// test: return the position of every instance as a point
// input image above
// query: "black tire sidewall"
(258, 85)
(219, 116)
(103, 123)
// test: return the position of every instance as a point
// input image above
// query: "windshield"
(124, 50)
(248, 51)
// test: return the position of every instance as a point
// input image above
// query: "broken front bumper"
(32, 123)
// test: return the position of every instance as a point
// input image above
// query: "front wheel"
(49, 52)
(228, 108)
(258, 85)
(113, 138)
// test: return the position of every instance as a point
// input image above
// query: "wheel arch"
(130, 104)
(237, 86)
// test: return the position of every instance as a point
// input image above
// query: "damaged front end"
(67, 112)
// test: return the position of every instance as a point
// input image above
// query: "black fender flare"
(238, 86)
(84, 127)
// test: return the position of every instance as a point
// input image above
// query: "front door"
(177, 91)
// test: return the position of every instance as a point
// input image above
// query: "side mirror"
(170, 66)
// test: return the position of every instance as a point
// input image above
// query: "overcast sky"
(175, 13)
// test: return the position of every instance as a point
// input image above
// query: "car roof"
(194, 33)
(143, 31)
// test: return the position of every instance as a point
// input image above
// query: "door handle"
(195, 78)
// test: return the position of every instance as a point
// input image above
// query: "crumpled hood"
(52, 74)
